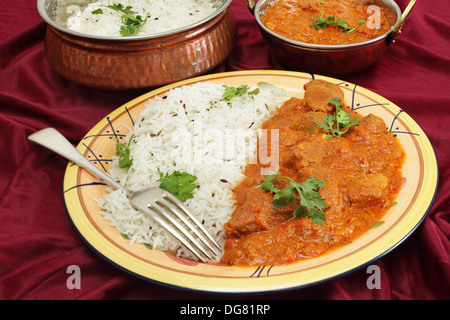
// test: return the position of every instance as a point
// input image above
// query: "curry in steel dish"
(332, 184)
(328, 22)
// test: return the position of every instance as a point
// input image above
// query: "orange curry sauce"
(361, 171)
(293, 19)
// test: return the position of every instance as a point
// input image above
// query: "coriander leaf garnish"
(98, 11)
(132, 23)
(120, 7)
(310, 199)
(377, 224)
(180, 184)
(322, 23)
(337, 125)
(123, 152)
(231, 92)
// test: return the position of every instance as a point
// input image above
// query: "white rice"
(188, 130)
(164, 15)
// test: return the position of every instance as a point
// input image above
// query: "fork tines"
(171, 213)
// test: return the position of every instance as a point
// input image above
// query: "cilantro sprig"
(123, 152)
(180, 184)
(131, 23)
(322, 23)
(310, 199)
(231, 92)
(120, 7)
(338, 124)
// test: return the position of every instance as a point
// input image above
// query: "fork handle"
(53, 140)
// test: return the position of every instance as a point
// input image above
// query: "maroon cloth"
(37, 241)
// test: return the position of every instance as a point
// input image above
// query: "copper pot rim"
(387, 37)
(43, 6)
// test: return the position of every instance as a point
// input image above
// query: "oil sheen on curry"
(360, 172)
(328, 22)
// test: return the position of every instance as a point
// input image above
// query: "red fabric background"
(37, 241)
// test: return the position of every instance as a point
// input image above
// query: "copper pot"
(333, 60)
(141, 61)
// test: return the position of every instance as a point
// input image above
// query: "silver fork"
(160, 205)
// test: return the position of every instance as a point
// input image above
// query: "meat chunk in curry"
(361, 172)
(318, 94)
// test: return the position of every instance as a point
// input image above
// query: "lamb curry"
(360, 171)
(328, 22)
